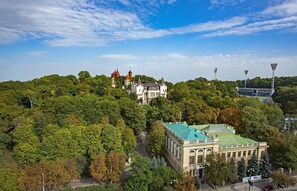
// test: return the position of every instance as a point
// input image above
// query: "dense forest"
(57, 128)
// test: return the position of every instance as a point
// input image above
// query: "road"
(257, 186)
(140, 147)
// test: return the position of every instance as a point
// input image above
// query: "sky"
(175, 39)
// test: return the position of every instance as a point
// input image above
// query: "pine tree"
(253, 166)
(241, 168)
(233, 171)
(265, 165)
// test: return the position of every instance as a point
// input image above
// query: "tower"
(114, 75)
(273, 67)
(245, 72)
(215, 73)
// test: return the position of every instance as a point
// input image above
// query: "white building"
(147, 91)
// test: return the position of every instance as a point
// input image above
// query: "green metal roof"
(211, 129)
(225, 133)
(185, 131)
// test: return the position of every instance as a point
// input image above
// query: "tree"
(111, 138)
(253, 166)
(128, 140)
(241, 169)
(184, 183)
(157, 161)
(115, 163)
(83, 75)
(133, 115)
(231, 116)
(9, 174)
(233, 171)
(141, 176)
(156, 138)
(283, 179)
(251, 119)
(93, 137)
(33, 177)
(162, 176)
(98, 168)
(217, 170)
(265, 165)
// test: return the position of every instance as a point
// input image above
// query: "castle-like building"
(117, 76)
(145, 91)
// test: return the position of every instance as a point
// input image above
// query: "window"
(229, 155)
(152, 94)
(239, 153)
(234, 154)
(223, 155)
(249, 153)
(200, 158)
(191, 160)
(244, 153)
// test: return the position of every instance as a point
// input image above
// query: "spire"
(139, 81)
(162, 81)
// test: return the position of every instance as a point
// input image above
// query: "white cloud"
(82, 23)
(276, 24)
(89, 23)
(226, 2)
(287, 8)
(36, 53)
(118, 57)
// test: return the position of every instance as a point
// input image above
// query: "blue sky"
(175, 39)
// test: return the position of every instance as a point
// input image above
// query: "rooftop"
(224, 133)
(185, 131)
(211, 129)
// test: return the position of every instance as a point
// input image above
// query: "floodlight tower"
(215, 73)
(273, 67)
(245, 72)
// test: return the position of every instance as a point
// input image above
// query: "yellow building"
(186, 147)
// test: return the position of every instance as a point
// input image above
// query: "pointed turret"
(139, 81)
(162, 81)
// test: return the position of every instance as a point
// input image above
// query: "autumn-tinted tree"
(231, 116)
(186, 182)
(283, 179)
(98, 168)
(115, 163)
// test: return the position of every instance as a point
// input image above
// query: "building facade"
(262, 92)
(147, 91)
(186, 147)
(116, 78)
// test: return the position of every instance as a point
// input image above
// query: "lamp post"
(250, 171)
(273, 67)
(245, 72)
